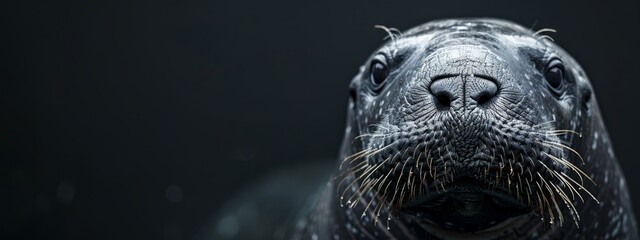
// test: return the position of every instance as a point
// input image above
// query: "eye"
(555, 74)
(379, 73)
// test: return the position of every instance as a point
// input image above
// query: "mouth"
(466, 205)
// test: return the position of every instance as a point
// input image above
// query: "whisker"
(562, 146)
(568, 164)
(581, 188)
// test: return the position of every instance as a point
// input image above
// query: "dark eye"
(555, 74)
(379, 73)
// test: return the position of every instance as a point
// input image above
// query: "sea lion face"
(466, 125)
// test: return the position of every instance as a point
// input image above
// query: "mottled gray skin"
(468, 102)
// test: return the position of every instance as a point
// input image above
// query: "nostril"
(485, 90)
(484, 97)
(444, 98)
(443, 91)
(475, 90)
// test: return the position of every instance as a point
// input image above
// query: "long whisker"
(562, 146)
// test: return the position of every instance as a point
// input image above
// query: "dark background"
(138, 119)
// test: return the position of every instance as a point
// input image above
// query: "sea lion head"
(468, 125)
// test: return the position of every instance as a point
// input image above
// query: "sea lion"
(472, 129)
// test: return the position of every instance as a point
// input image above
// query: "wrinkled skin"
(473, 129)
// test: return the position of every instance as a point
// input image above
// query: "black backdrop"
(138, 119)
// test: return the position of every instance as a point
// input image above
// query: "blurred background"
(139, 119)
